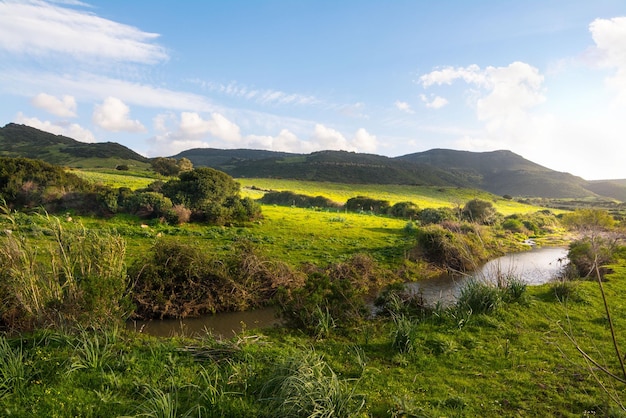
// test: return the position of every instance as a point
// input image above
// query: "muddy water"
(224, 324)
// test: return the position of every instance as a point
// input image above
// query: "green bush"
(479, 211)
(435, 215)
(584, 253)
(514, 225)
(288, 198)
(338, 291)
(407, 210)
(367, 204)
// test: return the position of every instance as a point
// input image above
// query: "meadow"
(517, 352)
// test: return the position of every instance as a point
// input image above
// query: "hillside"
(498, 172)
(24, 141)
(504, 172)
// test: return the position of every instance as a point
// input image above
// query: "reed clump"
(79, 277)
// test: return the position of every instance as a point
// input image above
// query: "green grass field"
(423, 196)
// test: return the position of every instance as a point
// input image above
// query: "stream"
(535, 267)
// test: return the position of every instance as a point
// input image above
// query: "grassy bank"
(515, 361)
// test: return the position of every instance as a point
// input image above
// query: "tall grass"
(479, 297)
(14, 373)
(304, 385)
(79, 278)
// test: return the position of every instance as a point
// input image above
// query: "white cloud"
(73, 130)
(435, 102)
(191, 130)
(364, 141)
(192, 125)
(113, 115)
(64, 107)
(609, 36)
(328, 138)
(404, 106)
(37, 27)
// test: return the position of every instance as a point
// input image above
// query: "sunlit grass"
(423, 196)
(131, 180)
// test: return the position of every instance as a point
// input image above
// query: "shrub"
(434, 216)
(479, 211)
(177, 280)
(338, 291)
(513, 225)
(178, 215)
(408, 210)
(367, 204)
(396, 300)
(148, 204)
(585, 253)
(288, 198)
(453, 250)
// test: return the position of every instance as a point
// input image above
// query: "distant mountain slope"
(213, 157)
(504, 172)
(611, 188)
(25, 141)
(499, 172)
(334, 166)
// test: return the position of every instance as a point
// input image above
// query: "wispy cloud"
(36, 27)
(436, 102)
(261, 96)
(404, 106)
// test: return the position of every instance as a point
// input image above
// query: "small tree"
(165, 166)
(201, 187)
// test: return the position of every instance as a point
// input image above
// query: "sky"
(545, 79)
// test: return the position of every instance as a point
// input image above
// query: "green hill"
(498, 172)
(24, 141)
(504, 172)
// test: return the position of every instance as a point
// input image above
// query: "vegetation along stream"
(534, 267)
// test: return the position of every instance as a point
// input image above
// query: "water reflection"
(535, 267)
(223, 325)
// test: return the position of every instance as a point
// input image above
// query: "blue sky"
(545, 79)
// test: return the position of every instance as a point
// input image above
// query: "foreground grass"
(516, 361)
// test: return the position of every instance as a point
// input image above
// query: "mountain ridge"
(500, 172)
